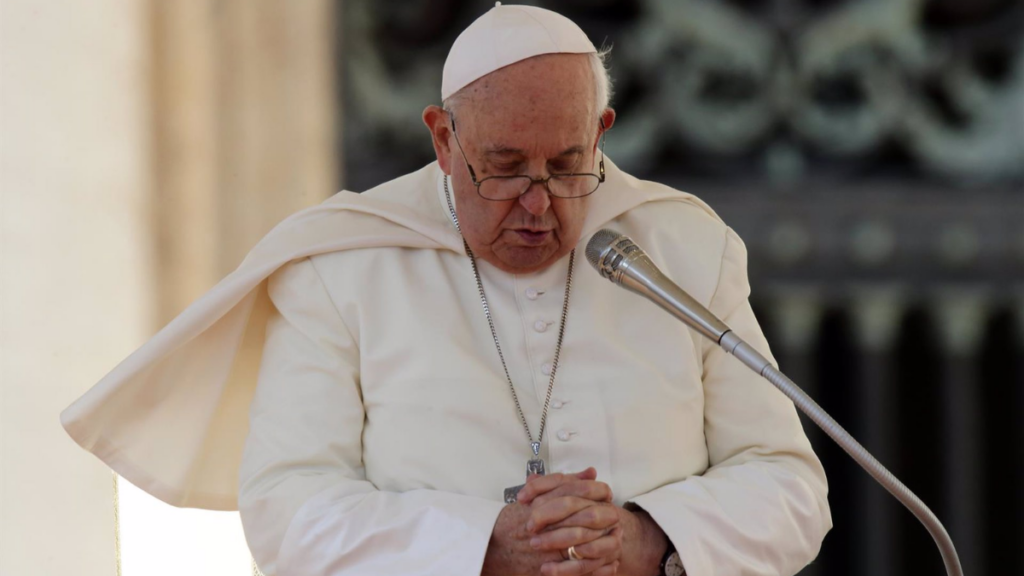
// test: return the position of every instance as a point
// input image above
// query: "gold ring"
(573, 554)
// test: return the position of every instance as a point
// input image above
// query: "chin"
(526, 259)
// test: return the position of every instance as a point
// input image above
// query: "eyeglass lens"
(563, 186)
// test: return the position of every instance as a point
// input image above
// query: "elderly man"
(427, 348)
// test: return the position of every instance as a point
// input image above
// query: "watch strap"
(664, 559)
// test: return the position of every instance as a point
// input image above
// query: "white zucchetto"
(505, 35)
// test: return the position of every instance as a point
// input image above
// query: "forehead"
(548, 98)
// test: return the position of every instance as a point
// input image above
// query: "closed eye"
(510, 161)
(565, 166)
(505, 167)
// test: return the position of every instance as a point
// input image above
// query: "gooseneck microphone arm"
(620, 260)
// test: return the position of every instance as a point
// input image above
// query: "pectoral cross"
(533, 466)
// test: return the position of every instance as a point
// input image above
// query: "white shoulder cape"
(172, 418)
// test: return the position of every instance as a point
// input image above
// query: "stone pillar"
(145, 146)
(76, 263)
(245, 134)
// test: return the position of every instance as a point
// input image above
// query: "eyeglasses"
(500, 188)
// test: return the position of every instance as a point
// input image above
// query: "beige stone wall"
(76, 263)
(144, 147)
(244, 102)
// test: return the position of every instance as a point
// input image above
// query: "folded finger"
(595, 517)
(573, 567)
(588, 474)
(562, 538)
(554, 511)
(589, 489)
(607, 570)
(604, 547)
(537, 485)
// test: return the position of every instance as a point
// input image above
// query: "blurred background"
(869, 152)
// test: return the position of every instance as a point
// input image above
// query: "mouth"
(533, 237)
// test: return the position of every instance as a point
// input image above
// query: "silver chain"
(494, 333)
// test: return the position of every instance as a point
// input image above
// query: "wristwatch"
(671, 564)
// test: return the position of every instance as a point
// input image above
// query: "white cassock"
(382, 432)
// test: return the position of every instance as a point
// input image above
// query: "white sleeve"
(305, 504)
(761, 506)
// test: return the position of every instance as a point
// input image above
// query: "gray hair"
(602, 82)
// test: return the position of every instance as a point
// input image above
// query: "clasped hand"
(553, 513)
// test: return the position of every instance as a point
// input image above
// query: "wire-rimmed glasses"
(501, 188)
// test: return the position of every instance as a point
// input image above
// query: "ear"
(605, 122)
(438, 123)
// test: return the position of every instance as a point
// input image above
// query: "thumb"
(588, 474)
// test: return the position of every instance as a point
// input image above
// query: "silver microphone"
(616, 257)
(619, 259)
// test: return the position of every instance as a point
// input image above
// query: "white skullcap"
(505, 35)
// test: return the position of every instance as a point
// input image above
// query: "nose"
(536, 199)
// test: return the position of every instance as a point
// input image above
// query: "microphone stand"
(746, 354)
(620, 260)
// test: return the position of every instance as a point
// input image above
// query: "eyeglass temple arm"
(472, 173)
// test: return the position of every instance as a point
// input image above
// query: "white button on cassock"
(557, 404)
(540, 326)
(563, 435)
(532, 293)
(546, 369)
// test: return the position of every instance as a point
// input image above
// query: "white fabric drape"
(172, 417)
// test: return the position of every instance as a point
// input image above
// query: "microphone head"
(606, 251)
(599, 244)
